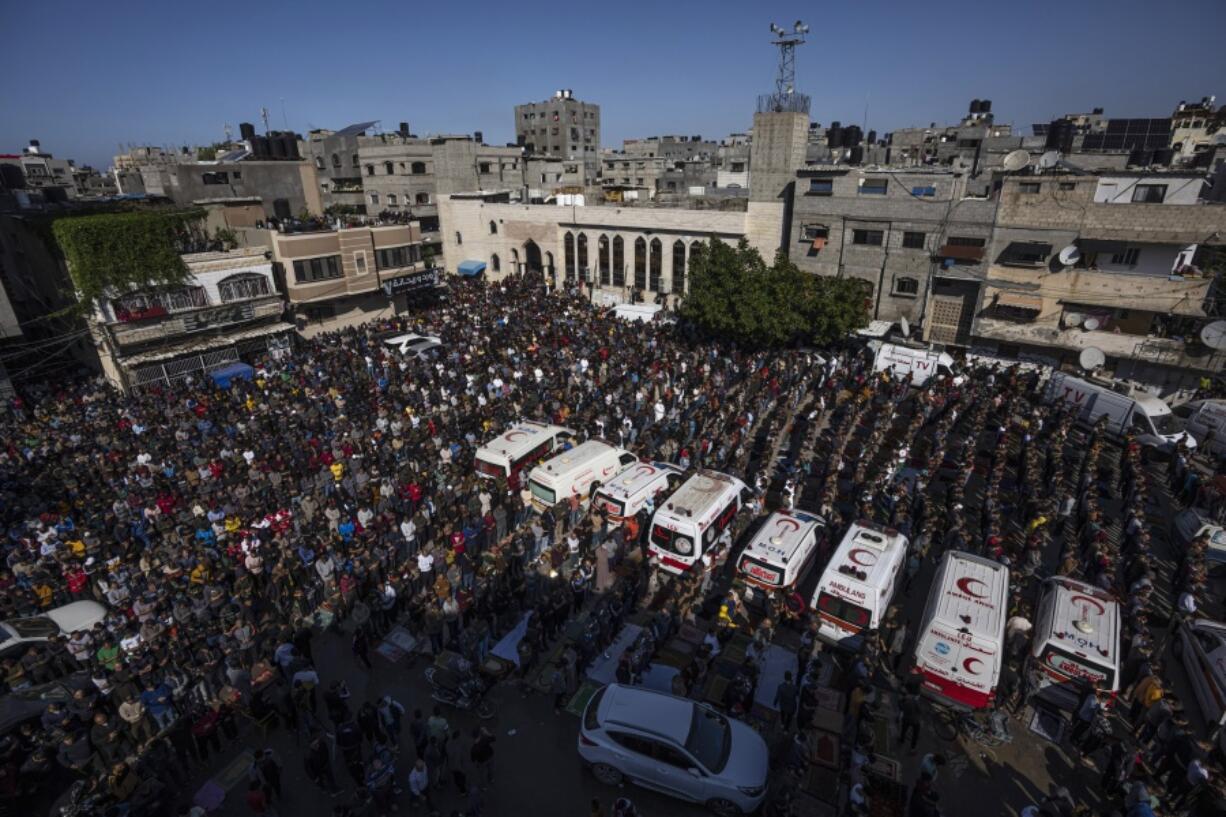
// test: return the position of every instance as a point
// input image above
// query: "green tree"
(833, 308)
(735, 295)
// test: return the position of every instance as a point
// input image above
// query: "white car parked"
(1201, 645)
(412, 345)
(675, 746)
(18, 633)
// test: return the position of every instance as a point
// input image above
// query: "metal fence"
(783, 103)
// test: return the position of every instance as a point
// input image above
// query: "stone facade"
(561, 242)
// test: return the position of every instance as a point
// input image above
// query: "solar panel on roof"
(234, 156)
(356, 128)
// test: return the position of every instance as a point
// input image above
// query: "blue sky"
(86, 76)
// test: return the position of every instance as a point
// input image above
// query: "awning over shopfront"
(227, 374)
(1020, 300)
(471, 269)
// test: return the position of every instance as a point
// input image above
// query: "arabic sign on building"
(412, 282)
(218, 316)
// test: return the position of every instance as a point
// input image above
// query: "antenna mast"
(785, 97)
(264, 116)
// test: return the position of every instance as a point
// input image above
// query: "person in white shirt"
(425, 562)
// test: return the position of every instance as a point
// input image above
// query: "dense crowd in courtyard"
(225, 528)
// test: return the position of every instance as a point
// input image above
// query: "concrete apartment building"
(732, 162)
(34, 177)
(561, 126)
(353, 273)
(913, 236)
(663, 164)
(1130, 283)
(285, 189)
(228, 310)
(398, 173)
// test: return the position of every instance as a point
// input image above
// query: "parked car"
(676, 746)
(1205, 420)
(413, 345)
(1201, 645)
(1191, 523)
(29, 703)
(19, 633)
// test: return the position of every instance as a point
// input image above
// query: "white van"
(577, 472)
(922, 364)
(1076, 641)
(782, 551)
(629, 490)
(692, 519)
(1146, 416)
(521, 446)
(1205, 420)
(961, 642)
(858, 583)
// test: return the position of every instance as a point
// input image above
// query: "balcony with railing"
(141, 318)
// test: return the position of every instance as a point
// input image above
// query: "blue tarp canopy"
(471, 269)
(223, 376)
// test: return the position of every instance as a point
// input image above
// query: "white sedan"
(18, 633)
(412, 345)
(675, 746)
(1201, 645)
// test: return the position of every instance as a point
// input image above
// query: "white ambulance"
(630, 489)
(577, 472)
(690, 521)
(961, 640)
(522, 446)
(1076, 641)
(858, 583)
(783, 550)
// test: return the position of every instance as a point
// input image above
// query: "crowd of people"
(223, 528)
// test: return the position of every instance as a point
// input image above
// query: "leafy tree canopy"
(735, 295)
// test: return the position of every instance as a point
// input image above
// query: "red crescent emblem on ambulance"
(781, 522)
(969, 665)
(515, 435)
(852, 556)
(964, 584)
(1091, 602)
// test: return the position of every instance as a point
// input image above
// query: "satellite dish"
(906, 327)
(1213, 335)
(1091, 358)
(1015, 160)
(1049, 159)
(1070, 255)
(1073, 318)
(1090, 324)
